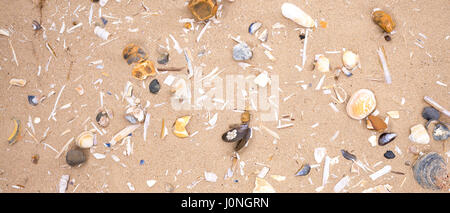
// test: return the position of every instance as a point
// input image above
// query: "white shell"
(263, 36)
(85, 140)
(262, 79)
(262, 186)
(350, 59)
(210, 177)
(419, 134)
(151, 183)
(322, 64)
(63, 183)
(4, 32)
(319, 154)
(297, 15)
(102, 33)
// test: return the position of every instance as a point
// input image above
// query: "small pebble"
(302, 36)
(408, 163)
(154, 86)
(163, 58)
(35, 158)
(430, 113)
(387, 38)
(75, 157)
(389, 155)
(242, 52)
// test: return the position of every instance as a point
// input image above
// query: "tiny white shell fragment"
(210, 177)
(103, 2)
(373, 140)
(262, 186)
(386, 169)
(393, 114)
(278, 177)
(63, 183)
(151, 183)
(319, 154)
(297, 15)
(262, 79)
(341, 184)
(379, 189)
(213, 120)
(263, 36)
(4, 32)
(102, 33)
(99, 156)
(263, 172)
(169, 80)
(131, 187)
(254, 27)
(419, 134)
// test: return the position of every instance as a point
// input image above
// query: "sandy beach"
(417, 57)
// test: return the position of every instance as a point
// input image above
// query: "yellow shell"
(180, 127)
(85, 140)
(383, 20)
(143, 69)
(203, 9)
(361, 104)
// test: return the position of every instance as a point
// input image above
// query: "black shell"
(243, 142)
(239, 133)
(430, 113)
(304, 170)
(33, 100)
(154, 86)
(430, 170)
(348, 155)
(386, 138)
(440, 132)
(389, 155)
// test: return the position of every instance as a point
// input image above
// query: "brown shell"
(143, 69)
(383, 20)
(133, 53)
(203, 9)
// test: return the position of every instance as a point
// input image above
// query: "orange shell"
(143, 69)
(383, 20)
(180, 126)
(133, 53)
(203, 9)
(361, 104)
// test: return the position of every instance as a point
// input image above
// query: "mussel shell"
(386, 138)
(348, 155)
(428, 168)
(33, 100)
(243, 142)
(235, 134)
(254, 27)
(440, 132)
(36, 25)
(304, 170)
(430, 113)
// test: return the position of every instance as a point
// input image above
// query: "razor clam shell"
(304, 170)
(429, 167)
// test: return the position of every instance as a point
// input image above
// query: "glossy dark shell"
(33, 100)
(389, 155)
(154, 86)
(241, 131)
(430, 171)
(348, 155)
(304, 170)
(386, 138)
(430, 113)
(440, 132)
(243, 142)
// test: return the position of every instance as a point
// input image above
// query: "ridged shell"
(85, 140)
(361, 104)
(430, 171)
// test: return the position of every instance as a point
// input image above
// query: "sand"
(181, 162)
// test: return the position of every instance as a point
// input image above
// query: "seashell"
(154, 86)
(393, 114)
(163, 58)
(319, 154)
(133, 53)
(361, 104)
(18, 82)
(131, 119)
(143, 69)
(430, 171)
(377, 123)
(297, 15)
(383, 20)
(86, 140)
(103, 117)
(348, 155)
(181, 90)
(75, 157)
(262, 186)
(322, 64)
(33, 100)
(430, 113)
(15, 133)
(242, 52)
(235, 134)
(306, 168)
(386, 138)
(102, 33)
(389, 155)
(180, 127)
(36, 25)
(63, 182)
(262, 79)
(4, 32)
(350, 59)
(263, 36)
(203, 9)
(123, 133)
(254, 27)
(244, 141)
(419, 134)
(440, 132)
(139, 114)
(245, 117)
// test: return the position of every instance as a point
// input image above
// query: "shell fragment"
(297, 15)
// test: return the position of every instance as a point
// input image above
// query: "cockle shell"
(322, 64)
(361, 104)
(419, 134)
(203, 9)
(350, 59)
(430, 171)
(297, 15)
(180, 127)
(86, 140)
(383, 20)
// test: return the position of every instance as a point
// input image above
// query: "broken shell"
(103, 117)
(75, 157)
(254, 27)
(242, 52)
(123, 133)
(361, 104)
(440, 132)
(386, 138)
(18, 82)
(163, 58)
(143, 69)
(86, 140)
(322, 64)
(262, 79)
(393, 114)
(138, 113)
(263, 36)
(131, 119)
(133, 53)
(350, 59)
(180, 127)
(15, 133)
(4, 32)
(154, 86)
(430, 171)
(203, 9)
(306, 168)
(430, 113)
(262, 186)
(348, 155)
(243, 143)
(245, 117)
(297, 15)
(377, 123)
(419, 134)
(383, 20)
(33, 100)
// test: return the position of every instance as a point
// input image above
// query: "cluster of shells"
(143, 68)
(135, 113)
